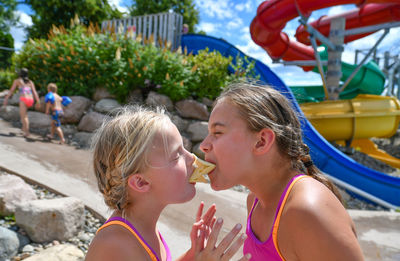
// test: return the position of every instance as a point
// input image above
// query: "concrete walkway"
(68, 171)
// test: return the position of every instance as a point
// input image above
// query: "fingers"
(197, 236)
(209, 215)
(199, 211)
(228, 239)
(235, 247)
(212, 240)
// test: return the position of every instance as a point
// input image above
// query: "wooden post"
(334, 72)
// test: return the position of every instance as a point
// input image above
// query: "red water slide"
(272, 16)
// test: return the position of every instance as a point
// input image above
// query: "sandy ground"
(68, 171)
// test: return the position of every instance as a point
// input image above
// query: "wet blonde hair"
(52, 87)
(120, 149)
(261, 106)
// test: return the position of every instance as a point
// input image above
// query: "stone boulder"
(75, 110)
(107, 106)
(192, 109)
(9, 243)
(38, 120)
(51, 219)
(13, 191)
(9, 113)
(156, 99)
(198, 130)
(92, 121)
(63, 252)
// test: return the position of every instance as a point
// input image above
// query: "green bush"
(6, 79)
(81, 59)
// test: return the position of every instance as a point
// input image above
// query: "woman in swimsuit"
(27, 92)
(295, 212)
(141, 167)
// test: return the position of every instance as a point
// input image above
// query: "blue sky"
(230, 19)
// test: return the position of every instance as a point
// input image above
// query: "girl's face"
(171, 167)
(228, 145)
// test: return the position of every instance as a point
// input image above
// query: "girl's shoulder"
(115, 243)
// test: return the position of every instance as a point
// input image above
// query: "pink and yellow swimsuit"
(26, 96)
(126, 224)
(268, 250)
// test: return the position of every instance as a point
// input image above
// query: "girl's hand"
(225, 249)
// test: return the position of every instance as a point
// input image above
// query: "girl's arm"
(10, 92)
(316, 226)
(35, 95)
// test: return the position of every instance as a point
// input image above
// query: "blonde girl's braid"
(120, 148)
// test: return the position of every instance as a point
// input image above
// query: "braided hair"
(264, 107)
(120, 149)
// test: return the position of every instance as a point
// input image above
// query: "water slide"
(344, 171)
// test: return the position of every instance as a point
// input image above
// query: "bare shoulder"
(318, 224)
(115, 243)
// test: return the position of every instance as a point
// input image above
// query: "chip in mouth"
(202, 168)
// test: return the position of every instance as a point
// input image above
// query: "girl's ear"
(265, 139)
(138, 183)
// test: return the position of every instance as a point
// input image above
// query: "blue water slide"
(344, 171)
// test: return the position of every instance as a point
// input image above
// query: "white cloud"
(244, 6)
(118, 4)
(18, 33)
(234, 23)
(207, 27)
(216, 8)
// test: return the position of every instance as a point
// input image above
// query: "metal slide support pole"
(334, 71)
(363, 61)
(319, 64)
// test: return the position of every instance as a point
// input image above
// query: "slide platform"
(344, 171)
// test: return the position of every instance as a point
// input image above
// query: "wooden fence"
(164, 28)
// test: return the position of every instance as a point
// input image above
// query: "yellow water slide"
(357, 119)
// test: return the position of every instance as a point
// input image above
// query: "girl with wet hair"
(294, 211)
(27, 94)
(141, 167)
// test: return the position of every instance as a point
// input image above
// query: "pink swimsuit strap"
(269, 249)
(126, 224)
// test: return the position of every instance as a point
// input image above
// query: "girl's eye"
(216, 133)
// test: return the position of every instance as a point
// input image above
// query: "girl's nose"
(205, 145)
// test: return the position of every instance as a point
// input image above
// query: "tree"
(6, 40)
(186, 8)
(57, 12)
(7, 17)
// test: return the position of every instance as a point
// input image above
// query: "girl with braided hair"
(294, 211)
(141, 166)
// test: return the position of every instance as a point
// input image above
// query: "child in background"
(294, 211)
(54, 106)
(27, 92)
(141, 167)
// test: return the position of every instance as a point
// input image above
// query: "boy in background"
(54, 106)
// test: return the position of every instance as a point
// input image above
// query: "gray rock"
(76, 109)
(192, 109)
(198, 130)
(38, 120)
(9, 243)
(62, 252)
(156, 99)
(9, 113)
(51, 219)
(92, 121)
(13, 191)
(83, 139)
(107, 106)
